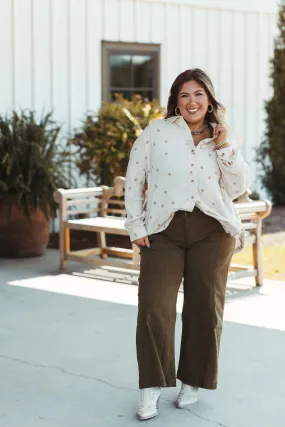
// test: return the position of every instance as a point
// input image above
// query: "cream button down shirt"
(181, 175)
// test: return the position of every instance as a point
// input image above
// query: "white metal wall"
(50, 53)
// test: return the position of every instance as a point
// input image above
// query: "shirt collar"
(180, 121)
(172, 119)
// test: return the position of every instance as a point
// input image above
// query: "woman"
(188, 229)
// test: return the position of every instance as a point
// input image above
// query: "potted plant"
(32, 167)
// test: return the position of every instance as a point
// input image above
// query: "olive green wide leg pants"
(194, 247)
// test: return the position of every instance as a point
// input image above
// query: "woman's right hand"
(143, 241)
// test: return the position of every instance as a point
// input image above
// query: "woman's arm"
(134, 187)
(235, 174)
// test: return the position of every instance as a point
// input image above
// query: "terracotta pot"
(20, 237)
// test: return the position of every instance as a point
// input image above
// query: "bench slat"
(239, 274)
(87, 252)
(116, 202)
(240, 267)
(85, 201)
(119, 252)
(116, 211)
(100, 262)
(83, 211)
(112, 225)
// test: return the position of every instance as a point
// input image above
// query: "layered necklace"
(198, 132)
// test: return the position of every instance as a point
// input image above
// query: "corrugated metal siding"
(51, 54)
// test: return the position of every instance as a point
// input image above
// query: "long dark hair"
(218, 113)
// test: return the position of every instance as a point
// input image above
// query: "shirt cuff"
(225, 153)
(137, 232)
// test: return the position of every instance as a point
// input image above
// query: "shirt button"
(192, 197)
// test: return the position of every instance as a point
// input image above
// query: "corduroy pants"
(195, 247)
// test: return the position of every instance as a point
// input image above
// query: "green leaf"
(33, 164)
(105, 139)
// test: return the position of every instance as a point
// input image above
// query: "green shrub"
(271, 153)
(32, 166)
(105, 140)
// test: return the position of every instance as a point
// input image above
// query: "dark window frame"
(117, 48)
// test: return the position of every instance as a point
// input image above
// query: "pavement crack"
(206, 419)
(199, 416)
(64, 371)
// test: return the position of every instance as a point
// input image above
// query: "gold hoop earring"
(211, 108)
(175, 111)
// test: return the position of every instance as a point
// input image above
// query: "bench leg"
(257, 256)
(102, 244)
(64, 246)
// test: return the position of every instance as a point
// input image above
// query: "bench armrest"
(244, 204)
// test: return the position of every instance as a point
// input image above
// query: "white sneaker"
(187, 396)
(148, 405)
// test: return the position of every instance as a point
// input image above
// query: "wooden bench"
(102, 210)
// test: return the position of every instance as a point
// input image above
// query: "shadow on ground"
(68, 355)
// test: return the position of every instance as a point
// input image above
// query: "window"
(130, 68)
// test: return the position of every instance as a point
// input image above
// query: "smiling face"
(193, 102)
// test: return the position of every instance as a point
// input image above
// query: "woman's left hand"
(221, 134)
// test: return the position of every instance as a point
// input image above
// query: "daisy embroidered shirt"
(179, 176)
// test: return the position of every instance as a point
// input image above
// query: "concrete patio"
(67, 351)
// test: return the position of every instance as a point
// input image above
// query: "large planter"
(20, 237)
